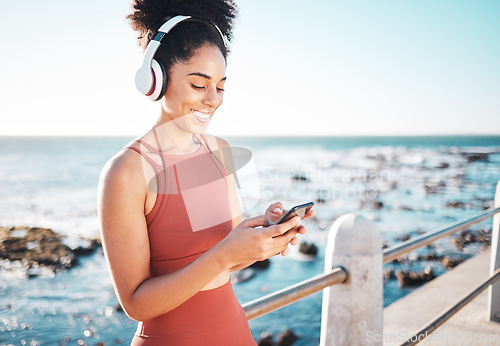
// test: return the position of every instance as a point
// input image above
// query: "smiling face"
(195, 90)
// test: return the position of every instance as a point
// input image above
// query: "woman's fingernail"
(277, 210)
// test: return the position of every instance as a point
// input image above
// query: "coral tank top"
(190, 215)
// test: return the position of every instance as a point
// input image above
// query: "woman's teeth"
(201, 116)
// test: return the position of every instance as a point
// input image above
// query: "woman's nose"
(212, 98)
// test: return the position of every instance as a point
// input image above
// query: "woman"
(170, 220)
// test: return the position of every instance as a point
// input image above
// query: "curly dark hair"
(149, 15)
(180, 44)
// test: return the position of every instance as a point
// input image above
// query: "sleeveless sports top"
(190, 215)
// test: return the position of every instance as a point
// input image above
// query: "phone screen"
(298, 210)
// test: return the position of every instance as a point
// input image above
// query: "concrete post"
(352, 311)
(494, 290)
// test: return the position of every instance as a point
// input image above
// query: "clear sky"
(350, 67)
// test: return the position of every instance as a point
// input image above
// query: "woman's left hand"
(274, 213)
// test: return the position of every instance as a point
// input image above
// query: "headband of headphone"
(150, 77)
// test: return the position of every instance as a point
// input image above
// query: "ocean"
(405, 185)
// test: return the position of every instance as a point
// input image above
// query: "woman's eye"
(198, 87)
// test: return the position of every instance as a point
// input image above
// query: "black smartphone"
(298, 210)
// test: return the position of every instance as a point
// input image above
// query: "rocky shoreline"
(35, 251)
(400, 270)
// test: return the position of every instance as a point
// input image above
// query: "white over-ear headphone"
(150, 78)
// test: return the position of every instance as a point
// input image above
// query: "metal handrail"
(405, 247)
(431, 327)
(291, 294)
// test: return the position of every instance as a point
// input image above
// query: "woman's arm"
(122, 194)
(273, 212)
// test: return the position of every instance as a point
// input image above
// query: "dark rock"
(37, 250)
(376, 205)
(405, 207)
(456, 204)
(484, 236)
(261, 264)
(35, 247)
(389, 273)
(462, 240)
(430, 190)
(90, 248)
(286, 338)
(408, 278)
(488, 205)
(266, 339)
(482, 199)
(452, 261)
(433, 187)
(430, 257)
(469, 237)
(443, 165)
(473, 157)
(403, 237)
(308, 248)
(299, 177)
(321, 195)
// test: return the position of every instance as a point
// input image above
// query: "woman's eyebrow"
(199, 74)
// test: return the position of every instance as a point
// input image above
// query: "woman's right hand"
(252, 241)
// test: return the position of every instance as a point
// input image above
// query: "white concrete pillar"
(494, 290)
(352, 311)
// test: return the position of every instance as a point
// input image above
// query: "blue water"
(52, 182)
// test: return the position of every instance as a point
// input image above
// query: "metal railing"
(428, 238)
(405, 247)
(274, 301)
(339, 274)
(291, 294)
(439, 321)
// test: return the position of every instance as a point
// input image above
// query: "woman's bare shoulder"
(124, 167)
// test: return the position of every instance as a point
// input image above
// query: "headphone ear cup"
(159, 81)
